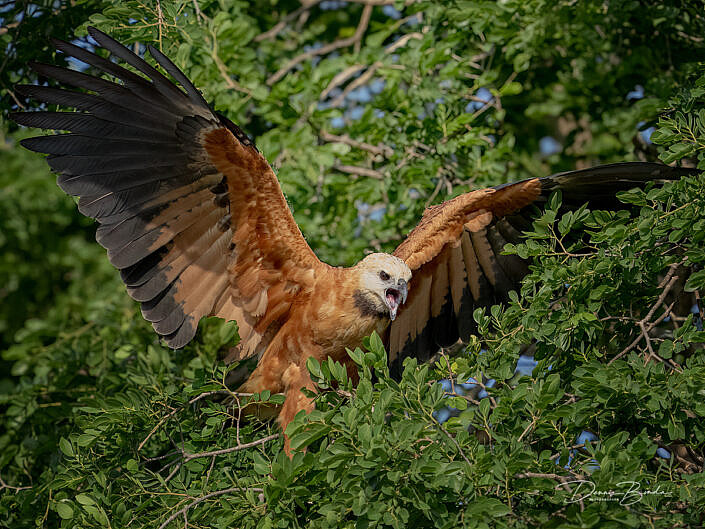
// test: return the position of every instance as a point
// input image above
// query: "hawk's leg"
(295, 378)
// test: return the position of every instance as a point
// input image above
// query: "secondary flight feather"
(194, 218)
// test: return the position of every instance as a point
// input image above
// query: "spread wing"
(189, 211)
(455, 252)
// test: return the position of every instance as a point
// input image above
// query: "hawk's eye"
(384, 276)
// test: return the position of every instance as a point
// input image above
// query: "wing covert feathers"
(189, 211)
(443, 224)
(455, 252)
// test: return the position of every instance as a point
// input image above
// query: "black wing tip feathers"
(99, 35)
(602, 182)
(18, 117)
(165, 62)
(636, 171)
(113, 46)
(104, 116)
(25, 89)
(33, 144)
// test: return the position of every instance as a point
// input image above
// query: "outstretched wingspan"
(189, 211)
(194, 218)
(455, 252)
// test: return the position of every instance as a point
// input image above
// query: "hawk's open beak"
(396, 297)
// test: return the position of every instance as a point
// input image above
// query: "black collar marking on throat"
(367, 307)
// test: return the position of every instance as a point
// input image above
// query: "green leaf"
(314, 367)
(64, 510)
(554, 201)
(66, 447)
(376, 345)
(312, 433)
(85, 499)
(696, 281)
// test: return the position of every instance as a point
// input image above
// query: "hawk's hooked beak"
(395, 297)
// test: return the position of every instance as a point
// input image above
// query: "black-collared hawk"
(193, 217)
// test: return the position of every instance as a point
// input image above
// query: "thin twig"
(451, 375)
(224, 70)
(557, 477)
(574, 447)
(160, 22)
(343, 76)
(492, 401)
(359, 171)
(170, 463)
(379, 149)
(210, 469)
(646, 326)
(455, 442)
(340, 78)
(159, 458)
(13, 96)
(189, 457)
(173, 472)
(562, 480)
(8, 27)
(342, 43)
(284, 21)
(652, 353)
(701, 309)
(402, 41)
(199, 13)
(4, 485)
(204, 498)
(237, 422)
(439, 186)
(691, 38)
(175, 410)
(668, 282)
(466, 397)
(364, 78)
(528, 427)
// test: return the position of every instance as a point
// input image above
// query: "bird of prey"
(193, 217)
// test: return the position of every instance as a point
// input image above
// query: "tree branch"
(342, 43)
(223, 69)
(380, 2)
(402, 41)
(359, 171)
(379, 149)
(645, 326)
(176, 410)
(364, 78)
(195, 502)
(283, 22)
(340, 78)
(455, 442)
(4, 485)
(8, 27)
(189, 457)
(562, 480)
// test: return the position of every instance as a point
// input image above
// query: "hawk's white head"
(383, 285)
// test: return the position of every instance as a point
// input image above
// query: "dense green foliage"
(103, 426)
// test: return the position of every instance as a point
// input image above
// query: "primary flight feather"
(193, 217)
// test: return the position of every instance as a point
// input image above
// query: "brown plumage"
(193, 217)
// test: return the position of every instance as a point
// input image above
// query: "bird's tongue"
(393, 303)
